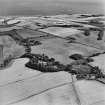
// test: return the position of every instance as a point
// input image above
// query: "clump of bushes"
(6, 61)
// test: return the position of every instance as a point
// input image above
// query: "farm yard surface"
(31, 46)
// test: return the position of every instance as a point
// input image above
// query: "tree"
(52, 60)
(76, 57)
(100, 35)
(86, 32)
(89, 59)
(56, 63)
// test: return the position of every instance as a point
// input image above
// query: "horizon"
(50, 7)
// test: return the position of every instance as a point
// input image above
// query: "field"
(20, 85)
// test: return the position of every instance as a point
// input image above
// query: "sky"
(50, 7)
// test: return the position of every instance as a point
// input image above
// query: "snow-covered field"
(90, 92)
(61, 50)
(18, 83)
(99, 61)
(61, 32)
(22, 86)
